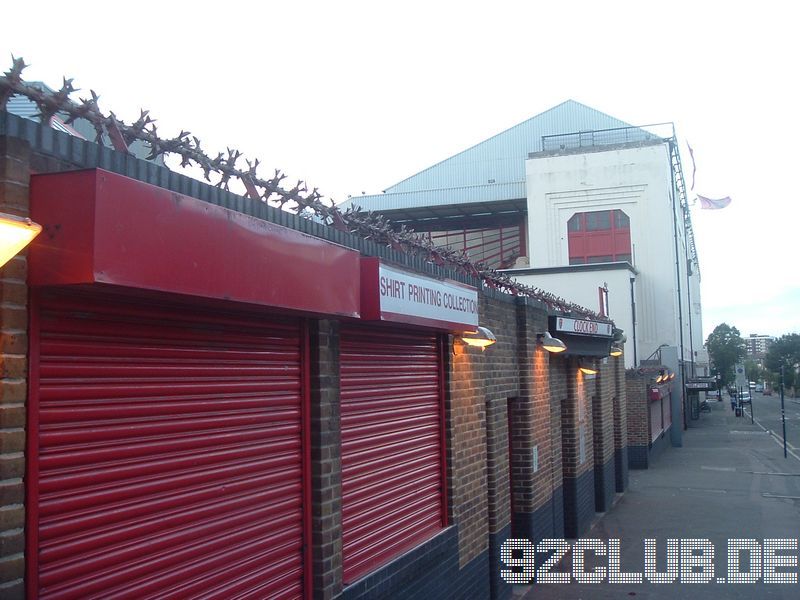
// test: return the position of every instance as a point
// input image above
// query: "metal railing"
(606, 137)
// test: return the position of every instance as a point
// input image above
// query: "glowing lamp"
(586, 369)
(481, 338)
(15, 234)
(550, 343)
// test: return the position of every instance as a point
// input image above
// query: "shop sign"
(396, 295)
(583, 327)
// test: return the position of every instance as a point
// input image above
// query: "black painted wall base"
(578, 504)
(547, 521)
(604, 485)
(661, 444)
(499, 589)
(640, 457)
(428, 571)
(621, 469)
(541, 523)
(558, 513)
(431, 571)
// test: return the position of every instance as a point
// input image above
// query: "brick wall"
(603, 433)
(543, 390)
(620, 425)
(465, 407)
(638, 411)
(532, 446)
(326, 465)
(501, 378)
(638, 407)
(558, 370)
(576, 422)
(14, 179)
(576, 445)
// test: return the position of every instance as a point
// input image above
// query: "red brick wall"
(531, 416)
(638, 407)
(558, 398)
(326, 465)
(466, 450)
(479, 386)
(603, 412)
(620, 404)
(547, 395)
(576, 422)
(14, 179)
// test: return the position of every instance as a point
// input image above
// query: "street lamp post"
(783, 416)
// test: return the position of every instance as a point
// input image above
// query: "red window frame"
(590, 243)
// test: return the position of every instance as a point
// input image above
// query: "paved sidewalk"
(729, 480)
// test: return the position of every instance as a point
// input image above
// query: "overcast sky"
(355, 96)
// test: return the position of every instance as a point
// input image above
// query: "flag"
(694, 166)
(713, 203)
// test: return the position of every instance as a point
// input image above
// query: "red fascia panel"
(100, 227)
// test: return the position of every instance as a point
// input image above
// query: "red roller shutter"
(169, 456)
(391, 444)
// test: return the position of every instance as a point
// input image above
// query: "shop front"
(168, 402)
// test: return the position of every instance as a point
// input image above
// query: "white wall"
(638, 181)
(580, 286)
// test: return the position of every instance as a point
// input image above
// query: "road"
(767, 413)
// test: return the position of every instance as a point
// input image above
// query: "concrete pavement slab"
(729, 480)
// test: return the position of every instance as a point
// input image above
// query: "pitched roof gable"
(501, 158)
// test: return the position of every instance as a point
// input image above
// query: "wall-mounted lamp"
(550, 343)
(586, 369)
(615, 351)
(481, 338)
(671, 375)
(15, 234)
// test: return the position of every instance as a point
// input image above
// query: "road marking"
(704, 468)
(778, 439)
(768, 495)
(772, 473)
(688, 489)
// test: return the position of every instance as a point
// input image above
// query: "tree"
(725, 347)
(785, 352)
(753, 371)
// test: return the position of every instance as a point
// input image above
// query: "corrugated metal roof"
(22, 107)
(502, 156)
(492, 170)
(466, 194)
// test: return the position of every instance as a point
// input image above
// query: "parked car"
(746, 398)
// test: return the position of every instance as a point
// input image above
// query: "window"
(599, 236)
(598, 221)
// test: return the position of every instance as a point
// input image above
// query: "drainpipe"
(633, 314)
(678, 278)
(689, 300)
